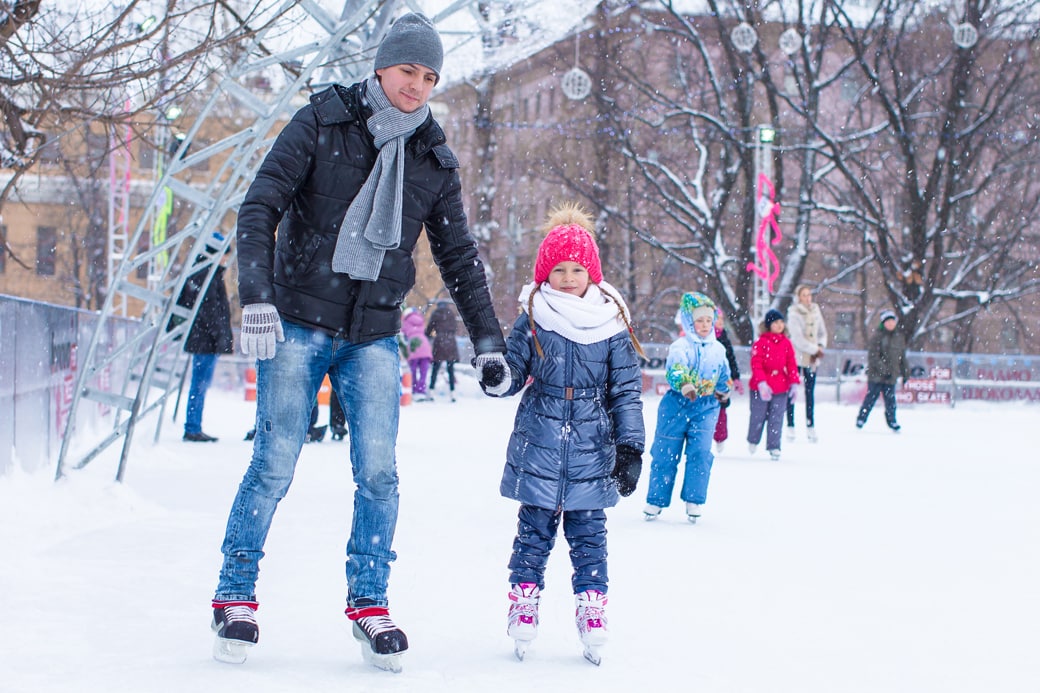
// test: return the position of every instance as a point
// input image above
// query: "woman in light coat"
(809, 336)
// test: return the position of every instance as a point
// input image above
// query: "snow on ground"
(867, 562)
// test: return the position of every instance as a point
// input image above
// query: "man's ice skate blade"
(592, 654)
(386, 662)
(230, 651)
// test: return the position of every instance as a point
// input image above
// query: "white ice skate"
(591, 618)
(693, 512)
(523, 616)
(651, 512)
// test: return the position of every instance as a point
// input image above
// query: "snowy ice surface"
(867, 562)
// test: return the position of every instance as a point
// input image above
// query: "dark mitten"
(627, 467)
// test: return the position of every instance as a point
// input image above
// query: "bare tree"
(937, 160)
(65, 67)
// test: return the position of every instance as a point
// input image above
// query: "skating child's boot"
(523, 616)
(591, 619)
(236, 629)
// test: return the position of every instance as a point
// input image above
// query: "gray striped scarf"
(372, 224)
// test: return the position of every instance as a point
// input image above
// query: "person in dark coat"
(442, 328)
(722, 425)
(349, 185)
(210, 335)
(886, 363)
(578, 438)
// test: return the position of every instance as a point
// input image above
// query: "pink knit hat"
(569, 242)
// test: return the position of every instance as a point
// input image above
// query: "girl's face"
(570, 278)
(805, 296)
(777, 326)
(704, 325)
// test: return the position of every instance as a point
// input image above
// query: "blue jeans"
(202, 367)
(367, 378)
(681, 422)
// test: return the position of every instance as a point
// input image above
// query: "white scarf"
(582, 319)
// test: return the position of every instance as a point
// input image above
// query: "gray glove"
(261, 328)
(495, 378)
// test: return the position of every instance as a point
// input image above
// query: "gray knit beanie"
(412, 39)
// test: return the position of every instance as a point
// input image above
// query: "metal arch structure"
(136, 376)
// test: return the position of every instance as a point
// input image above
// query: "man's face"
(890, 324)
(407, 86)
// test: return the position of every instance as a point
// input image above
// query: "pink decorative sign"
(769, 267)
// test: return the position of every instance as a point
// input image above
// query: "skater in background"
(774, 374)
(210, 335)
(886, 363)
(809, 336)
(415, 347)
(698, 372)
(337, 420)
(722, 426)
(326, 239)
(574, 338)
(441, 328)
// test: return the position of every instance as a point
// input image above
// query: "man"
(352, 180)
(886, 363)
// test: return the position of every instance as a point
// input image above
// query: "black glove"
(627, 466)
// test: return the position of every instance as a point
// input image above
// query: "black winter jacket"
(314, 170)
(886, 357)
(211, 331)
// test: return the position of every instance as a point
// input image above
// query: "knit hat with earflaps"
(693, 305)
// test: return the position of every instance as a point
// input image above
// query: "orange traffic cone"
(250, 384)
(406, 388)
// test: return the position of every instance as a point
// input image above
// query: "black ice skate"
(236, 629)
(382, 642)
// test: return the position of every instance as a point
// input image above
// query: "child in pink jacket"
(774, 373)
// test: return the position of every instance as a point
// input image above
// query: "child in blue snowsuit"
(578, 437)
(699, 375)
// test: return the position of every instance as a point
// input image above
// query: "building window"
(146, 155)
(46, 250)
(844, 328)
(50, 152)
(1009, 338)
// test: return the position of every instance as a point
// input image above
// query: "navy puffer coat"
(562, 450)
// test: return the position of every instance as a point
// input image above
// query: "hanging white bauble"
(965, 35)
(790, 41)
(744, 37)
(576, 84)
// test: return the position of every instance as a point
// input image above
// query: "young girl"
(699, 374)
(774, 372)
(578, 436)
